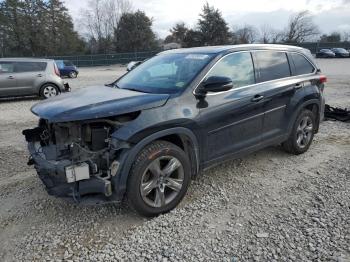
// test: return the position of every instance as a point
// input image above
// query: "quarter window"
(302, 65)
(271, 65)
(237, 66)
(6, 67)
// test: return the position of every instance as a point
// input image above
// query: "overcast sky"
(330, 15)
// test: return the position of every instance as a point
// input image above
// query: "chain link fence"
(124, 58)
(105, 59)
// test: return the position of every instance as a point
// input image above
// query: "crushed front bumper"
(53, 175)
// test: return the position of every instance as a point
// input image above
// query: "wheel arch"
(312, 105)
(180, 136)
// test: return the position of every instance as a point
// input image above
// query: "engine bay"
(78, 156)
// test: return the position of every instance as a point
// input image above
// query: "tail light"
(57, 72)
(322, 79)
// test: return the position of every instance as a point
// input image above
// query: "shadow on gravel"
(19, 99)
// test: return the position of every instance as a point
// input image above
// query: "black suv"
(145, 136)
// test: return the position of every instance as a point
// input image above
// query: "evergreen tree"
(178, 32)
(213, 27)
(37, 28)
(134, 33)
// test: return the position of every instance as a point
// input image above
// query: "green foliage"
(178, 33)
(213, 27)
(37, 28)
(193, 38)
(134, 33)
(335, 37)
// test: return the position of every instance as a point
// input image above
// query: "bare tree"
(269, 34)
(246, 34)
(300, 28)
(100, 20)
(345, 36)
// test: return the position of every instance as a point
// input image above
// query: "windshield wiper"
(136, 90)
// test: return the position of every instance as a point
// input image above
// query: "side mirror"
(216, 84)
(132, 65)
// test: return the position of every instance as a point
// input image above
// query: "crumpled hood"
(96, 102)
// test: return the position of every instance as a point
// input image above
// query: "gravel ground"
(269, 206)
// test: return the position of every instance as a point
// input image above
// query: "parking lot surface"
(269, 206)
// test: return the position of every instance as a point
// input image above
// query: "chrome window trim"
(265, 82)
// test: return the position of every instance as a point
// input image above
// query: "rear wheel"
(302, 134)
(49, 90)
(159, 178)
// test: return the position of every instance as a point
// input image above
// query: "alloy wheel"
(50, 91)
(304, 131)
(162, 181)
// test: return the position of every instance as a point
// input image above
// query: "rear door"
(7, 78)
(277, 89)
(29, 76)
(231, 121)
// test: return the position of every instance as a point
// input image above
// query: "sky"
(330, 15)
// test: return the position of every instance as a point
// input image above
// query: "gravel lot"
(269, 206)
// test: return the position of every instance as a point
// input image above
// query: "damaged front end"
(77, 159)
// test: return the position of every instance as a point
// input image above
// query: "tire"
(302, 134)
(152, 189)
(73, 74)
(49, 90)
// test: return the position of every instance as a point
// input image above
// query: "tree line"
(45, 28)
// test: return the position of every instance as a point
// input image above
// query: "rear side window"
(301, 64)
(271, 65)
(22, 67)
(6, 67)
(59, 64)
(237, 66)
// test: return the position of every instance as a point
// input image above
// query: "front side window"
(6, 67)
(302, 65)
(237, 66)
(22, 67)
(165, 73)
(271, 65)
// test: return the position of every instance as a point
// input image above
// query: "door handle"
(257, 98)
(10, 77)
(39, 75)
(298, 86)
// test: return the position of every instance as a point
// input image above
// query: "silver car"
(28, 76)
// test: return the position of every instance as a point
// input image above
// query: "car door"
(7, 79)
(231, 121)
(274, 77)
(28, 75)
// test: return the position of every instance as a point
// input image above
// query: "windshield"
(342, 50)
(165, 74)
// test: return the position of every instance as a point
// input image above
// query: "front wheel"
(302, 134)
(159, 178)
(73, 74)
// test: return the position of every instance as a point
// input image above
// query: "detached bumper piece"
(339, 114)
(67, 87)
